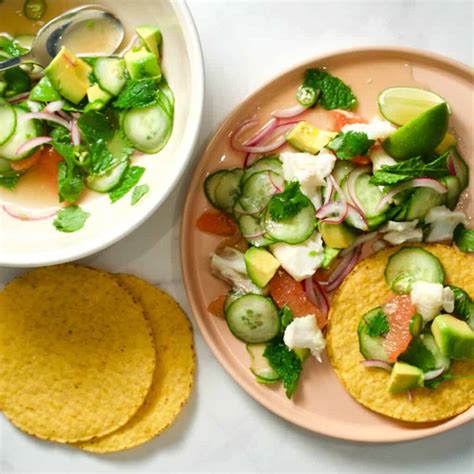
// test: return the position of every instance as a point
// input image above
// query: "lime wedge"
(399, 105)
(420, 136)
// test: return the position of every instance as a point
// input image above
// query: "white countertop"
(222, 429)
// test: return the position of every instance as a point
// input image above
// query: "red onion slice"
(33, 143)
(277, 187)
(409, 396)
(341, 194)
(333, 213)
(45, 116)
(316, 295)
(26, 215)
(350, 185)
(263, 133)
(376, 363)
(343, 269)
(290, 112)
(451, 166)
(357, 218)
(432, 374)
(18, 97)
(362, 239)
(329, 192)
(75, 133)
(414, 183)
(55, 106)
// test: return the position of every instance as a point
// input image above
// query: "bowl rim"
(187, 147)
(246, 384)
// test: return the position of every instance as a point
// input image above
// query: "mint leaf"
(130, 179)
(334, 93)
(11, 47)
(288, 203)
(463, 304)
(70, 182)
(9, 178)
(70, 219)
(409, 169)
(139, 192)
(96, 126)
(136, 93)
(285, 363)
(377, 324)
(349, 144)
(419, 355)
(464, 238)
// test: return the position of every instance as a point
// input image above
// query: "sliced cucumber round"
(270, 163)
(8, 121)
(253, 319)
(369, 196)
(252, 229)
(148, 128)
(111, 74)
(293, 230)
(258, 189)
(371, 347)
(109, 180)
(462, 170)
(259, 365)
(227, 190)
(412, 264)
(25, 130)
(421, 201)
(454, 190)
(210, 184)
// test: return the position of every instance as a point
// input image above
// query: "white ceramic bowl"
(34, 243)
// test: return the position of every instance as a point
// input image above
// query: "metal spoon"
(52, 36)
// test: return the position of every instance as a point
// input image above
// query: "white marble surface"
(223, 429)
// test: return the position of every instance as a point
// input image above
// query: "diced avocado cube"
(44, 91)
(69, 75)
(448, 141)
(329, 256)
(305, 137)
(141, 64)
(261, 265)
(151, 36)
(405, 377)
(95, 94)
(302, 353)
(454, 337)
(337, 236)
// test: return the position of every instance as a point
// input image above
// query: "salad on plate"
(309, 203)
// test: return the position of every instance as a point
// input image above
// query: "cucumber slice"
(230, 298)
(294, 230)
(253, 231)
(227, 190)
(412, 264)
(210, 184)
(421, 201)
(369, 196)
(24, 131)
(454, 190)
(462, 170)
(259, 365)
(341, 170)
(107, 181)
(371, 347)
(270, 163)
(253, 319)
(8, 121)
(149, 128)
(111, 74)
(258, 189)
(440, 359)
(166, 97)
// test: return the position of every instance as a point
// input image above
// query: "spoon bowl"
(87, 30)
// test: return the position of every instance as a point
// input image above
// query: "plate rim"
(193, 123)
(245, 383)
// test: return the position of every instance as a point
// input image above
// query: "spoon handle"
(13, 62)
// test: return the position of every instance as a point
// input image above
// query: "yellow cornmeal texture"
(361, 291)
(76, 353)
(174, 371)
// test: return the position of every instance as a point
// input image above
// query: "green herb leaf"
(70, 219)
(334, 93)
(130, 179)
(285, 363)
(11, 47)
(96, 126)
(288, 203)
(70, 182)
(136, 93)
(44, 91)
(377, 324)
(464, 238)
(139, 192)
(18, 81)
(286, 317)
(409, 169)
(61, 135)
(9, 178)
(349, 144)
(419, 355)
(463, 304)
(435, 383)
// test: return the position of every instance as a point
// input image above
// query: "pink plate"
(321, 404)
